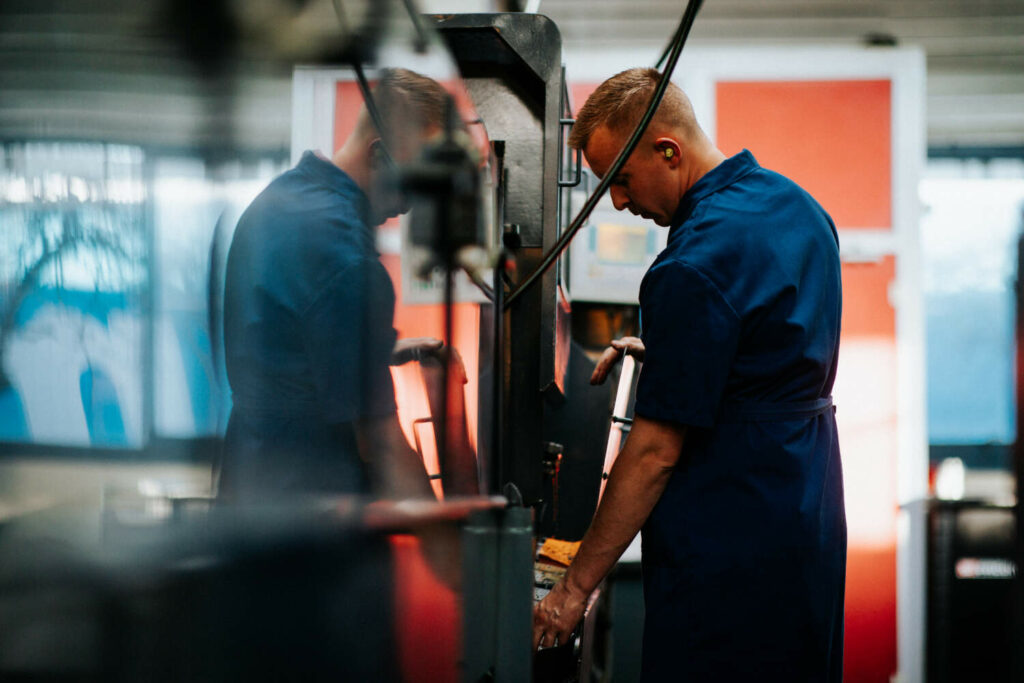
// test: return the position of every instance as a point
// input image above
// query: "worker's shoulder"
(749, 236)
(296, 196)
(297, 239)
(300, 216)
(761, 191)
(762, 212)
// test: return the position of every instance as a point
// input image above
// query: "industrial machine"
(970, 590)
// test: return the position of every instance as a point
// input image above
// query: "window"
(105, 284)
(72, 281)
(971, 222)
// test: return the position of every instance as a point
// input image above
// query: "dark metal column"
(511, 65)
(1018, 464)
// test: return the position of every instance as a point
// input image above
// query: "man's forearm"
(460, 466)
(396, 471)
(403, 475)
(635, 484)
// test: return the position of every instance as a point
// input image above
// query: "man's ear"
(377, 154)
(670, 150)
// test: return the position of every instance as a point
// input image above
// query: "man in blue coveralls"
(732, 465)
(308, 317)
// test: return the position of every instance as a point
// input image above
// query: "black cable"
(371, 108)
(692, 7)
(497, 463)
(364, 86)
(339, 12)
(361, 43)
(668, 48)
(417, 21)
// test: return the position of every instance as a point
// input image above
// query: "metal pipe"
(498, 376)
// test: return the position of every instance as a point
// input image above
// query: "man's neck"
(706, 159)
(350, 161)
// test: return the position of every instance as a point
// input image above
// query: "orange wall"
(831, 137)
(866, 393)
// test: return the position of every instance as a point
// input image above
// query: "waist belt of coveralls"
(773, 411)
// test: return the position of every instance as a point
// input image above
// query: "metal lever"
(419, 444)
(552, 463)
(620, 424)
(579, 156)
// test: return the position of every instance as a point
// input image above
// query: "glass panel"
(347, 273)
(194, 217)
(73, 271)
(968, 238)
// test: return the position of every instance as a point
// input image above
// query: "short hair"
(405, 99)
(620, 102)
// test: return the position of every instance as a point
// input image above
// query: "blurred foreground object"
(320, 591)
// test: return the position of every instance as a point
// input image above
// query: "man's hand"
(415, 348)
(433, 364)
(557, 614)
(431, 353)
(632, 346)
(636, 482)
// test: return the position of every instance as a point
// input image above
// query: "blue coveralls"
(308, 335)
(744, 555)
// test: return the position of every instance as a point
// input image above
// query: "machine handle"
(620, 424)
(579, 158)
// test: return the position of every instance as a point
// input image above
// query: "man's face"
(646, 185)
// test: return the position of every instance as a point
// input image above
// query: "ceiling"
(152, 71)
(974, 48)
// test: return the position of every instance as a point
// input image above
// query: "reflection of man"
(308, 317)
(732, 465)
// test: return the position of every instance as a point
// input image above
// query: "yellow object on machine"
(559, 552)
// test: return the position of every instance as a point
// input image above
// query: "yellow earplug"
(669, 152)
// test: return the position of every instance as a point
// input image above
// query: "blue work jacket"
(308, 335)
(744, 554)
